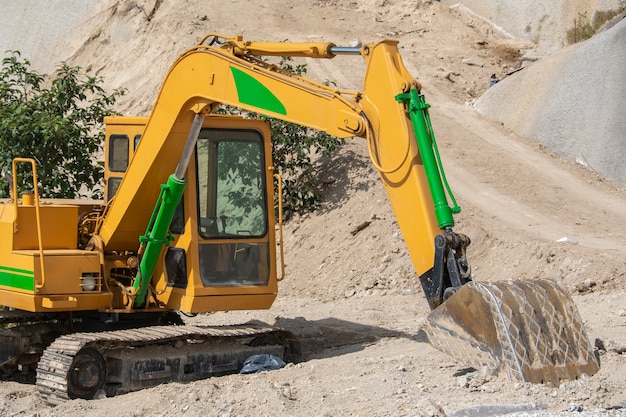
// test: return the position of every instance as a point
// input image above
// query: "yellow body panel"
(50, 303)
(58, 283)
(24, 286)
(62, 268)
(58, 223)
(227, 303)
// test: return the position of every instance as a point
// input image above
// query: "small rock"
(575, 408)
(586, 285)
(589, 283)
(566, 239)
(428, 408)
(480, 378)
(473, 62)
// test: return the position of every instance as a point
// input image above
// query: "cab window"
(118, 153)
(231, 184)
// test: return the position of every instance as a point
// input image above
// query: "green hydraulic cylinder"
(156, 235)
(418, 112)
(157, 232)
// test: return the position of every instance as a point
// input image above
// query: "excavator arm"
(532, 330)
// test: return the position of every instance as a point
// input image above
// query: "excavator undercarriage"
(84, 365)
(66, 363)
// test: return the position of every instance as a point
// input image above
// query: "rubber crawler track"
(56, 361)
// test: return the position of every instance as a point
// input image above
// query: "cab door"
(226, 224)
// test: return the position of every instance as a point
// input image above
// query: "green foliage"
(581, 30)
(294, 148)
(584, 28)
(57, 122)
(240, 187)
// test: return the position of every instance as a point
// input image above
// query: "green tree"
(293, 152)
(58, 122)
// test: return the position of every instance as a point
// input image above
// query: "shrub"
(584, 28)
(58, 122)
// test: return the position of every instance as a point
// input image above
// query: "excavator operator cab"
(222, 249)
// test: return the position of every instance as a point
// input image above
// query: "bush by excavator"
(94, 290)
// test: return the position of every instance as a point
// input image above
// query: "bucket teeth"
(530, 329)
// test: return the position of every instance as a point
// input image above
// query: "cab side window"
(118, 153)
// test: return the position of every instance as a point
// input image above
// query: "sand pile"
(572, 102)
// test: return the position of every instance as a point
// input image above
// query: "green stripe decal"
(251, 91)
(17, 278)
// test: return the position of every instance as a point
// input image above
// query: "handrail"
(280, 226)
(37, 215)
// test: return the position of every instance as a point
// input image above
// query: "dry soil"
(354, 298)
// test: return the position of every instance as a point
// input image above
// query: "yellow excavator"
(94, 290)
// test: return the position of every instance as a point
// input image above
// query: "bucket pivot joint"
(450, 270)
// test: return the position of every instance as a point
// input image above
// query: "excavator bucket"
(531, 329)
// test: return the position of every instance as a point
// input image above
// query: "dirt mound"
(572, 102)
(354, 297)
(544, 23)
